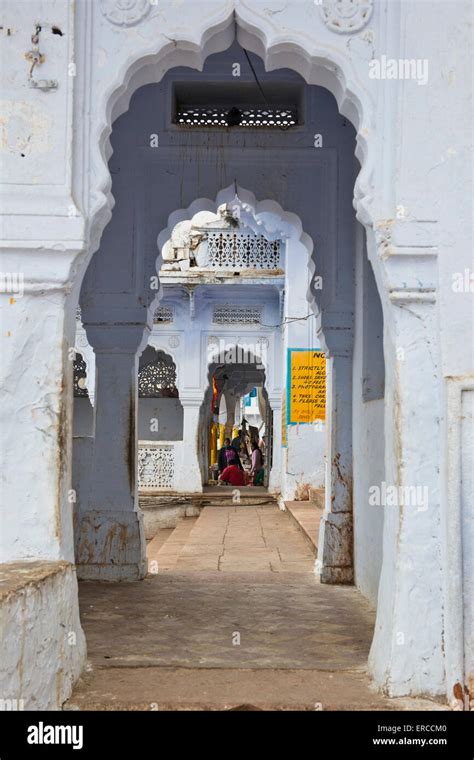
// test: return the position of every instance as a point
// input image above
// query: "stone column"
(188, 473)
(110, 543)
(230, 399)
(36, 528)
(37, 333)
(275, 477)
(335, 549)
(407, 650)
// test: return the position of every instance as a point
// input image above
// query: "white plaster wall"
(467, 522)
(303, 459)
(168, 412)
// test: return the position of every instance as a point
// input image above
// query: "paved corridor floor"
(233, 616)
(237, 538)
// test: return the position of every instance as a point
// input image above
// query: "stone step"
(220, 689)
(225, 496)
(163, 510)
(316, 495)
(154, 546)
(243, 501)
(307, 516)
(166, 553)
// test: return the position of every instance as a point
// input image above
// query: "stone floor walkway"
(238, 538)
(233, 616)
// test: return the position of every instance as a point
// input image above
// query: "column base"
(110, 546)
(335, 553)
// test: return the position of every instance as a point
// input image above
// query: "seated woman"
(257, 471)
(232, 475)
(227, 454)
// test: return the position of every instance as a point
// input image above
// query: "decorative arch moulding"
(315, 59)
(341, 16)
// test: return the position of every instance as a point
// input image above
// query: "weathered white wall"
(168, 412)
(43, 646)
(467, 526)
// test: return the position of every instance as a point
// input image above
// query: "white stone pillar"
(408, 649)
(188, 471)
(36, 496)
(110, 543)
(274, 481)
(335, 548)
(231, 401)
(37, 331)
(407, 656)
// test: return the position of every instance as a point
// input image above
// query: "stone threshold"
(221, 689)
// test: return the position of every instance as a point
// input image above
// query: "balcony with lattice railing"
(232, 250)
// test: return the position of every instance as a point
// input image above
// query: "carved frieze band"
(341, 16)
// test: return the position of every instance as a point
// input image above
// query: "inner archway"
(236, 376)
(254, 258)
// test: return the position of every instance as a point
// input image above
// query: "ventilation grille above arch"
(228, 314)
(238, 104)
(220, 116)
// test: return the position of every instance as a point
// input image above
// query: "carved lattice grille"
(217, 116)
(158, 378)
(231, 315)
(79, 374)
(156, 466)
(232, 250)
(163, 314)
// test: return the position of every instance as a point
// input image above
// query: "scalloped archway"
(318, 66)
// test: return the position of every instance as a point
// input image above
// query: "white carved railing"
(156, 465)
(232, 250)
